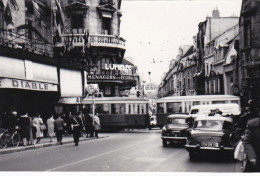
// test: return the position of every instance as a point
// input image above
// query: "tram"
(115, 113)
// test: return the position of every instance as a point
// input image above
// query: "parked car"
(175, 129)
(210, 134)
(153, 122)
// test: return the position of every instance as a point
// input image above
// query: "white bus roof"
(203, 117)
(214, 105)
(197, 98)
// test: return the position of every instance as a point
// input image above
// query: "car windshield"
(176, 121)
(194, 111)
(209, 124)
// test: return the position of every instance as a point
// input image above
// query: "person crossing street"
(76, 126)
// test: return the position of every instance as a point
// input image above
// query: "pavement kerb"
(42, 145)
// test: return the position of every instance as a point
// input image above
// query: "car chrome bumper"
(195, 147)
(176, 138)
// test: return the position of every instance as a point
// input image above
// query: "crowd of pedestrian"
(33, 127)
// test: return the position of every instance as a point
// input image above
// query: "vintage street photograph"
(134, 87)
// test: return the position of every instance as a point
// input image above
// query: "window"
(77, 23)
(106, 26)
(107, 90)
(247, 33)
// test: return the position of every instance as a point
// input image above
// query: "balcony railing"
(96, 40)
(20, 41)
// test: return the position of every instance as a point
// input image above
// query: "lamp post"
(143, 87)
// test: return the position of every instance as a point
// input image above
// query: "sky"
(155, 29)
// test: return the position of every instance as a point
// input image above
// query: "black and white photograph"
(133, 87)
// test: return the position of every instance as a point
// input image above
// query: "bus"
(115, 113)
(182, 104)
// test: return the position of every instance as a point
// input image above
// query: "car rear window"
(209, 124)
(177, 121)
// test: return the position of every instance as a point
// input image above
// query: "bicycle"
(11, 138)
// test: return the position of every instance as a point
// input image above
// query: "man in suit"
(76, 125)
(59, 128)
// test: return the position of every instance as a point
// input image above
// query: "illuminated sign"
(117, 67)
(28, 85)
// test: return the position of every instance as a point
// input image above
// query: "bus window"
(218, 102)
(174, 107)
(234, 101)
(195, 103)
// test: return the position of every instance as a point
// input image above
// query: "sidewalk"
(45, 142)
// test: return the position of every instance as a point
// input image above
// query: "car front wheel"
(164, 143)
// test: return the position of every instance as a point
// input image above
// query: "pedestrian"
(25, 125)
(32, 131)
(96, 123)
(82, 118)
(50, 125)
(76, 126)
(252, 144)
(59, 128)
(89, 125)
(38, 123)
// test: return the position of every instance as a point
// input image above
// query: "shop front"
(72, 86)
(27, 86)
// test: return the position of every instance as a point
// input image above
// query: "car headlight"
(217, 145)
(164, 128)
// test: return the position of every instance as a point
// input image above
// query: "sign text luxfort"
(25, 84)
(117, 67)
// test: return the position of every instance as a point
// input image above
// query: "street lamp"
(143, 87)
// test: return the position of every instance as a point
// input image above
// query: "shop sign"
(117, 67)
(28, 85)
(110, 77)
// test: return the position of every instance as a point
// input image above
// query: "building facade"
(28, 71)
(51, 50)
(248, 62)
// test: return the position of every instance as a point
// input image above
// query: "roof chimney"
(215, 13)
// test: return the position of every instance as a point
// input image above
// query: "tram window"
(160, 108)
(122, 108)
(116, 108)
(174, 107)
(218, 102)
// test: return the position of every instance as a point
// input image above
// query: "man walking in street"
(76, 126)
(59, 128)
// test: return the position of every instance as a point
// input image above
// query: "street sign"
(91, 89)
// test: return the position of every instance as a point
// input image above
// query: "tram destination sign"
(110, 77)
